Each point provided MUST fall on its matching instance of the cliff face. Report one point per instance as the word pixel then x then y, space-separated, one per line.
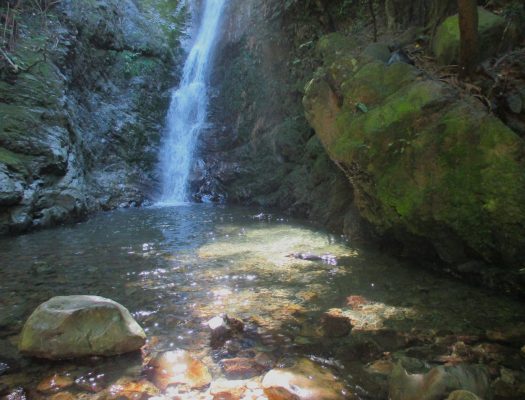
pixel 395 153
pixel 82 104
pixel 259 148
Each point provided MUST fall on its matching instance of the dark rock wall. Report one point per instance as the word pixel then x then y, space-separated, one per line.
pixel 259 148
pixel 81 118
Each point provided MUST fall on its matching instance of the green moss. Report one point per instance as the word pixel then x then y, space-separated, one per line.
pixel 424 161
pixel 135 64
pixel 13 160
pixel 335 45
pixel 381 127
pixel 446 41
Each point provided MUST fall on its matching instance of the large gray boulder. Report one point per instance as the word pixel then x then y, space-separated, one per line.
pixel 79 326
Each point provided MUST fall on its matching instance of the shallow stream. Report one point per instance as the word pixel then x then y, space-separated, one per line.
pixel 174 268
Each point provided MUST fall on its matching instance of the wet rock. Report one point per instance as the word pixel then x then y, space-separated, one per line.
pixel 265 359
pixel 223 328
pixel 304 381
pixel 356 302
pixel 308 295
pixel 3 368
pixel 241 368
pixel 54 383
pixel 306 256
pixel 179 368
pixel 78 326
pixel 334 324
pixel 127 389
pixel 514 334
pixel 63 396
pixel 381 367
pixel 223 389
pixel 16 394
pixel 91 383
pixel 438 382
pixel 11 191
pixel 462 395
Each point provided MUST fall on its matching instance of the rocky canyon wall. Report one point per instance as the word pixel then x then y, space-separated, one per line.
pixel 83 98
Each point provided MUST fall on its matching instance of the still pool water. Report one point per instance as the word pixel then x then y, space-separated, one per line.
pixel 174 268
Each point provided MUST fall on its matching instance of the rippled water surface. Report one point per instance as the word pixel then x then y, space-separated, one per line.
pixel 176 267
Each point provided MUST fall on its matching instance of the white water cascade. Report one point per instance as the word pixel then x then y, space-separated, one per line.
pixel 188 109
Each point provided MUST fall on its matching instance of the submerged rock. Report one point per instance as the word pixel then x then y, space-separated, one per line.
pixel 462 395
pixel 54 383
pixel 304 381
pixel 223 389
pixel 79 326
pixel 127 389
pixel 178 367
pixel 223 328
pixel 438 382
pixel 241 368
pixel 63 396
pixel 334 324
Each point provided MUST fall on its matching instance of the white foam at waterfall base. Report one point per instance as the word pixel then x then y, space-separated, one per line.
pixel 188 109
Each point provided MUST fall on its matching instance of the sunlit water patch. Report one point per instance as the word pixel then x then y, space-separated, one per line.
pixel 175 268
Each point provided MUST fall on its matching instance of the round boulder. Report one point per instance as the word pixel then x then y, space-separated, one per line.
pixel 78 326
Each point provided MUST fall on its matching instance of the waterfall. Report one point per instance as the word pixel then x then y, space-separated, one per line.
pixel 188 108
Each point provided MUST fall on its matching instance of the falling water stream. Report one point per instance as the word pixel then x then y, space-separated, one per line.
pixel 188 108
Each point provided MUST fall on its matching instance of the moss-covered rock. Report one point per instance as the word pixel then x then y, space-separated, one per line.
pixel 491 28
pixel 424 163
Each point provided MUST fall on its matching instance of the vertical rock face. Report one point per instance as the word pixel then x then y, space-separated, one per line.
pixel 81 114
pixel 259 148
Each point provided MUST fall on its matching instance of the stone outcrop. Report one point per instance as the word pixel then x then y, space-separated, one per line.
pixel 79 326
pixel 81 114
pixel 434 171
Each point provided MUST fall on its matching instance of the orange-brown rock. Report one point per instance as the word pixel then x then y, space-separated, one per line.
pixel 241 368
pixel 54 383
pixel 63 396
pixel 223 389
pixel 127 389
pixel 179 368
pixel 304 381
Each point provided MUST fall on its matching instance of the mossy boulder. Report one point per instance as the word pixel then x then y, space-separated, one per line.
pixel 423 162
pixel 79 326
pixel 491 28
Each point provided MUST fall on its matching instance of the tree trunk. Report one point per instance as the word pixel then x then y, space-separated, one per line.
pixel 469 40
